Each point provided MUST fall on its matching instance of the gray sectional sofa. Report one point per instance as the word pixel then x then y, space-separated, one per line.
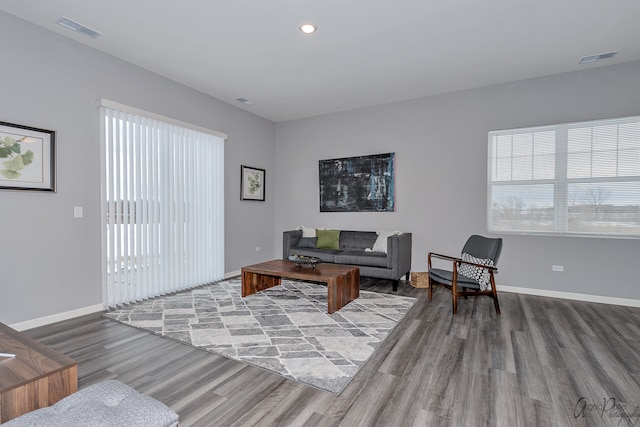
pixel 352 250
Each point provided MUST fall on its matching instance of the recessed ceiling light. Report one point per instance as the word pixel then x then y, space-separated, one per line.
pixel 79 28
pixel 308 28
pixel 244 101
pixel 594 58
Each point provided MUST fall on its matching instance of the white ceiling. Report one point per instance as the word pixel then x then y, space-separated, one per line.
pixel 364 53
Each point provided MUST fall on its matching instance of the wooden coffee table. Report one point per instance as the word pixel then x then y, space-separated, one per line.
pixel 343 281
pixel 36 377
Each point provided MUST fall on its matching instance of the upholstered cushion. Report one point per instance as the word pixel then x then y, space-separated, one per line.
pixel 357 240
pixel 479 274
pixel 106 404
pixel 328 239
pixel 307 242
pixel 371 259
pixel 307 231
pixel 381 242
pixel 446 277
pixel 326 255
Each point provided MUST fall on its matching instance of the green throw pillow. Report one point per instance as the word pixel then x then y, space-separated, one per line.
pixel 328 239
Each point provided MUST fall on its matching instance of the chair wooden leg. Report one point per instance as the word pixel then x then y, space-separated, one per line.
pixel 454 295
pixel 429 288
pixel 496 303
pixel 495 296
pixel 455 303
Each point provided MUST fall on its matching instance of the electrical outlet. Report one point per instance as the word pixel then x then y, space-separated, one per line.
pixel 557 267
pixel 258 248
pixel 77 212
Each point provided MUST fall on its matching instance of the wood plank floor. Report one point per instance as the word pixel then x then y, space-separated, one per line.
pixel 543 362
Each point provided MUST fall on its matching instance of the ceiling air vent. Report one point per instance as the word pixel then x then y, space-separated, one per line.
pixel 594 58
pixel 72 25
pixel 244 101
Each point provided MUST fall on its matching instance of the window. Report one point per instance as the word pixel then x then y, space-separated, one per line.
pixel 574 178
pixel 163 204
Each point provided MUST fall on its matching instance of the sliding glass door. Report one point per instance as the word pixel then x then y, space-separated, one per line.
pixel 163 204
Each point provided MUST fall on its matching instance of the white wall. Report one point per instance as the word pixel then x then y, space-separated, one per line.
pixel 441 149
pixel 49 261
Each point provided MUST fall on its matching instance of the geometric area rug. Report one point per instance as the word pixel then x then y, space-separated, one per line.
pixel 284 329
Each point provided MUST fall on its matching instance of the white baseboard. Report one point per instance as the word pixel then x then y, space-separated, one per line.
pixel 232 274
pixel 41 321
pixel 545 293
pixel 571 296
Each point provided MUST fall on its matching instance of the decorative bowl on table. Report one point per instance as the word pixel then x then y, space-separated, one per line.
pixel 305 261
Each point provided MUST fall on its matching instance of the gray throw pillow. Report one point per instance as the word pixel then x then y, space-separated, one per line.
pixel 307 242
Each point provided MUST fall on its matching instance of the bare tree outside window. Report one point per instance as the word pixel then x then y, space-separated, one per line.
pixel 596 198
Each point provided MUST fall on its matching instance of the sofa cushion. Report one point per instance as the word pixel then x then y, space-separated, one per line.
pixel 370 259
pixel 328 239
pixel 380 244
pixel 307 242
pixel 357 240
pixel 326 255
pixel 307 231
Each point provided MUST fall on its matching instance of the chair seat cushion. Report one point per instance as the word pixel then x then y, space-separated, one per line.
pixel 446 277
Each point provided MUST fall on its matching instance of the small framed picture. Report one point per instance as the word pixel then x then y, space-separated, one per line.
pixel 251 183
pixel 27 158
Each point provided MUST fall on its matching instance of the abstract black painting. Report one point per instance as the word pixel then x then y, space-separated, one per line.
pixel 358 184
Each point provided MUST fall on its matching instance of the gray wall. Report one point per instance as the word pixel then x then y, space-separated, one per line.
pixel 49 261
pixel 441 149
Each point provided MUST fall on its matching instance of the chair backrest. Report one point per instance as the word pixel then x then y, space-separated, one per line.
pixel 483 248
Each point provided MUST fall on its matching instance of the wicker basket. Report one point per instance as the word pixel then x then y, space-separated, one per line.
pixel 420 279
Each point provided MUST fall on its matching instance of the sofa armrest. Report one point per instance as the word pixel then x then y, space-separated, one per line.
pixel 399 253
pixel 290 239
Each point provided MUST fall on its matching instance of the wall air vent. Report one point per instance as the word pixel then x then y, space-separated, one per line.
pixel 79 28
pixel 594 58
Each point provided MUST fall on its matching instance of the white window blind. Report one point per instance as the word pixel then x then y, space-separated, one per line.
pixel 573 178
pixel 163 204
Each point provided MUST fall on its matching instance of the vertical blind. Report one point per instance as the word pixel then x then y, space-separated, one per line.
pixel 163 204
pixel 573 178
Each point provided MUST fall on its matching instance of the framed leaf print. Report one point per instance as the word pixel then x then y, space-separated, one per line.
pixel 27 158
pixel 251 183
